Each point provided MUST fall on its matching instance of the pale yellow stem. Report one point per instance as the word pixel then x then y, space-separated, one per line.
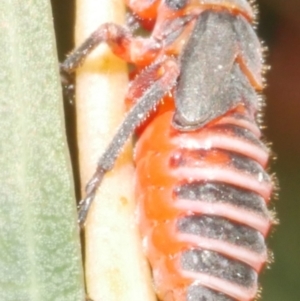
pixel 115 267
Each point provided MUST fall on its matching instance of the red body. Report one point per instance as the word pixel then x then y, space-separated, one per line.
pixel 167 159
pixel 202 186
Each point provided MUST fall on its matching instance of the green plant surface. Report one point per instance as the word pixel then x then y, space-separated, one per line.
pixel 39 239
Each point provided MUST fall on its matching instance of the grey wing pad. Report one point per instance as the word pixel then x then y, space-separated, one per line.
pixel 211 81
pixel 250 48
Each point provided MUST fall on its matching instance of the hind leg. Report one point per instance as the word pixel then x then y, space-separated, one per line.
pixel 155 81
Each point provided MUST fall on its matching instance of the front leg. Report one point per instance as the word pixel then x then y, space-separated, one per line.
pixel 134 50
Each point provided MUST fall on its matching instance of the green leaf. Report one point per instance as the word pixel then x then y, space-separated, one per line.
pixel 39 241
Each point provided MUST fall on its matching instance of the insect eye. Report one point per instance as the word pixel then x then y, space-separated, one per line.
pixel 176 4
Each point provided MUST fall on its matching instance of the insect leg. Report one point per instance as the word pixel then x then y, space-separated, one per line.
pixel 120 41
pixel 162 76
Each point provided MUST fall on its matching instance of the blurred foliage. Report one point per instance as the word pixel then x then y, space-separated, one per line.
pixel 40 255
pixel 280 27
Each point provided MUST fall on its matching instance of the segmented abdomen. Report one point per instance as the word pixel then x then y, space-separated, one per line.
pixel 203 207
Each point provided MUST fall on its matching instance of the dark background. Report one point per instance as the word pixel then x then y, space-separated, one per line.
pixel 279 27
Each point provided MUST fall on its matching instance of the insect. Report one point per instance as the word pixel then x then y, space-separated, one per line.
pixel 202 185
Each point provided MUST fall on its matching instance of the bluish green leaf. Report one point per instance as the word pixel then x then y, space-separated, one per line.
pixel 39 241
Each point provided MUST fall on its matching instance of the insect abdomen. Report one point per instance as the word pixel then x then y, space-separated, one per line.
pixel 202 187
pixel 203 212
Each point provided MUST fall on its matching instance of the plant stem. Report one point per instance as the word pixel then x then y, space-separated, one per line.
pixel 114 263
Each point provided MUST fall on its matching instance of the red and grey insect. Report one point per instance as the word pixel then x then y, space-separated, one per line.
pixel 202 187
